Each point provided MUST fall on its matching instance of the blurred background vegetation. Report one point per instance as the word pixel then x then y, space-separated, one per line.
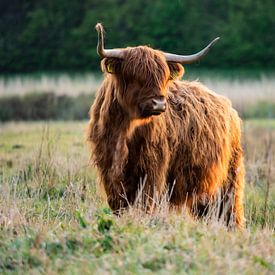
pixel 41 39
pixel 59 34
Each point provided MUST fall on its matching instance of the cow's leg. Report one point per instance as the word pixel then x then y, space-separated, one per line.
pixel 226 205
pixel 143 193
pixel 151 189
pixel 231 207
pixel 178 195
pixel 116 197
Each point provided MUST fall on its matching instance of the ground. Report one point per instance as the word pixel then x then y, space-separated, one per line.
pixel 53 221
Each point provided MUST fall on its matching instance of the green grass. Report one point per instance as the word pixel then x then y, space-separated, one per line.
pixel 267 124
pixel 53 221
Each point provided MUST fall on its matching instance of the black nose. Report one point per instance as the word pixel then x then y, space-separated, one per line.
pixel 159 104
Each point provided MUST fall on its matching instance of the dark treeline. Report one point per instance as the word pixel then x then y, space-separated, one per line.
pixel 60 35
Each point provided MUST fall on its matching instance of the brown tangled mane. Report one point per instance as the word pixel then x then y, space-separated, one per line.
pixel 192 150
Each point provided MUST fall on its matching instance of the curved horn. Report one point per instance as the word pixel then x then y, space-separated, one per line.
pixel 117 53
pixel 187 59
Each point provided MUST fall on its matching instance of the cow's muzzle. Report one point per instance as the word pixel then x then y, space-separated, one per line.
pixel 159 105
pixel 154 106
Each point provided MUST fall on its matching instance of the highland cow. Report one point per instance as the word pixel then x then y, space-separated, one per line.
pixel 178 136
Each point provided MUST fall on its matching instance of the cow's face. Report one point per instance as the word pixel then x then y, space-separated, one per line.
pixel 143 77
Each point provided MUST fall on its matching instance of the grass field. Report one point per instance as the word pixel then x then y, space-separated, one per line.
pixel 53 221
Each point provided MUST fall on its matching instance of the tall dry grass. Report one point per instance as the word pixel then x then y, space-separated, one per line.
pixel 59 83
pixel 53 221
pixel 241 88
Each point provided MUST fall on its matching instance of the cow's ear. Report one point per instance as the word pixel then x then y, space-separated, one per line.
pixel 176 70
pixel 111 65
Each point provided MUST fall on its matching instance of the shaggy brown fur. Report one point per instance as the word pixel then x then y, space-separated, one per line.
pixel 192 150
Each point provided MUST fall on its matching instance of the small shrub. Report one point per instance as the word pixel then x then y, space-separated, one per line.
pixel 45 106
pixel 261 109
pixel 81 219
